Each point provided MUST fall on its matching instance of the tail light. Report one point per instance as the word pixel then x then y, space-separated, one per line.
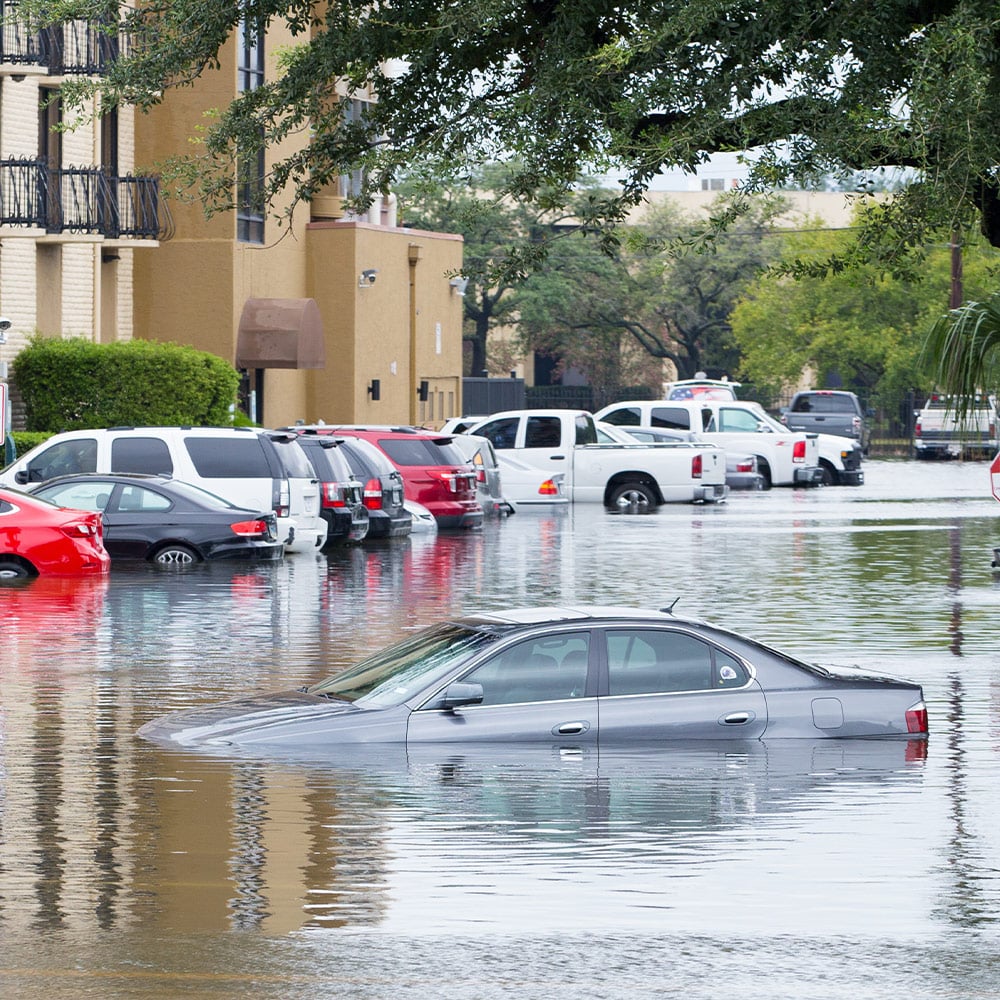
pixel 696 466
pixel 799 451
pixel 82 529
pixel 281 498
pixel 333 495
pixel 548 489
pixel 746 465
pixel 916 718
pixel 856 424
pixel 250 528
pixel 916 429
pixel 372 495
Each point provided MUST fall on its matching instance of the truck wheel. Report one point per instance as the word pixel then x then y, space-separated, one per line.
pixel 765 471
pixel 633 493
pixel 830 477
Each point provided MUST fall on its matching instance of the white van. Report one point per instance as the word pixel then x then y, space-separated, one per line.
pixel 252 468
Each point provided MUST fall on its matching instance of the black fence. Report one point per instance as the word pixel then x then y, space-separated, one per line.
pixel 82 48
pixel 22 193
pixel 481 396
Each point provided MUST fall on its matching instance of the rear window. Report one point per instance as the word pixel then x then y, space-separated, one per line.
pixel 420 451
pixel 147 455
pixel 365 459
pixel 329 464
pixel 228 458
pixel 823 403
pixel 624 416
pixel 292 457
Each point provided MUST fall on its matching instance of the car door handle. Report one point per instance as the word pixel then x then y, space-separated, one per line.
pixel 557 458
pixel 571 728
pixel 737 718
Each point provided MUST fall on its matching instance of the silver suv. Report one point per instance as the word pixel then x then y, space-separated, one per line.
pixel 828 411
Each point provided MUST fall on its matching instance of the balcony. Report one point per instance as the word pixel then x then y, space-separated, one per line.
pixel 79 48
pixel 82 200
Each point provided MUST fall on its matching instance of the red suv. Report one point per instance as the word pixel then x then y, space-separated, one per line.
pixel 434 472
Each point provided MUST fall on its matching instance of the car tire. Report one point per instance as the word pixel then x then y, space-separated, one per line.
pixel 765 472
pixel 641 494
pixel 11 569
pixel 176 557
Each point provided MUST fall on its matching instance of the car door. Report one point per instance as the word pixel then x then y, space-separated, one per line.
pixel 667 684
pixel 540 690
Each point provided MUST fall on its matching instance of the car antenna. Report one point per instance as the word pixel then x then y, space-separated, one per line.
pixel 669 610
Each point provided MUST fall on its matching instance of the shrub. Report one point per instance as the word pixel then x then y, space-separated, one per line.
pixel 75 384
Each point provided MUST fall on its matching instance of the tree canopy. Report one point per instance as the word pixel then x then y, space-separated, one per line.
pixel 812 86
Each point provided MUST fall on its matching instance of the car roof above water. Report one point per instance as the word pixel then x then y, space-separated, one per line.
pixel 545 615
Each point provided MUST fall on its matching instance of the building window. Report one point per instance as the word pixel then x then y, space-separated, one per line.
pixel 250 166
pixel 713 184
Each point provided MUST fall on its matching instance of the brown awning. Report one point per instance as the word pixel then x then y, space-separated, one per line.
pixel 280 333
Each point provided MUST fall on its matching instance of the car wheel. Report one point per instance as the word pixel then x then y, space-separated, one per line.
pixel 176 556
pixel 637 493
pixel 830 477
pixel 10 569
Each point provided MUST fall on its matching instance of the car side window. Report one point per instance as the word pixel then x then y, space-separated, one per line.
pixel 66 458
pixel 79 496
pixel 146 455
pixel 226 458
pixel 137 498
pixel 552 668
pixel 543 432
pixel 647 661
pixel 672 417
pixel 503 432
pixel 737 420
pixel 624 416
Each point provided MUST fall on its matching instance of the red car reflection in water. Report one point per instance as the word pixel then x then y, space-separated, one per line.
pixel 37 538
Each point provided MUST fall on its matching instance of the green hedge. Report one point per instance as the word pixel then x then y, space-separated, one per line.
pixel 75 384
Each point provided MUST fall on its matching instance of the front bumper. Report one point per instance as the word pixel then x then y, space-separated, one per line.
pixel 851 477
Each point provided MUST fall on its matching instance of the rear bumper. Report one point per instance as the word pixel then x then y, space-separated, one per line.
pixel 712 493
pixel 466 519
pixel 745 481
pixel 346 524
pixel 252 551
pixel 808 475
pixel 304 539
pixel 384 525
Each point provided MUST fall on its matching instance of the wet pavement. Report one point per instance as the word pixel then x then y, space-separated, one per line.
pixel 824 869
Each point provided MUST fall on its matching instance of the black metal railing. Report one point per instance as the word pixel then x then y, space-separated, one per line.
pixel 22 193
pixel 80 48
pixel 82 200
pixel 19 46
pixel 75 48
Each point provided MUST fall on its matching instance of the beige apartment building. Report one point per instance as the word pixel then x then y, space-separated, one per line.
pixel 332 317
pixel 74 215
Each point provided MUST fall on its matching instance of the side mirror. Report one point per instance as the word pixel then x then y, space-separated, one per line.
pixel 459 694
pixel 21 478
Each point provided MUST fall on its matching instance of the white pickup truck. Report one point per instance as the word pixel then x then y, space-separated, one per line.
pixel 613 474
pixel 940 432
pixel 784 457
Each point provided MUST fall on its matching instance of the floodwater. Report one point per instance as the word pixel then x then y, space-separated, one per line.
pixel 810 870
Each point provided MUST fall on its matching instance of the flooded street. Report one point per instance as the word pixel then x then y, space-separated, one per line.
pixel 812 869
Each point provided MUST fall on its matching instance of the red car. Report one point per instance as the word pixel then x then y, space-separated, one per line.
pixel 435 473
pixel 38 538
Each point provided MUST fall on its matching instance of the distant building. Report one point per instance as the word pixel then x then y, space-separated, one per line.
pixel 74 215
pixel 337 317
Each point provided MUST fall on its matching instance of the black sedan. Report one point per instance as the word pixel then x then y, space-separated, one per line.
pixel 165 521
pixel 568 676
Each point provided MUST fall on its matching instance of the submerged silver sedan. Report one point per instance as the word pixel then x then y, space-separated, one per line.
pixel 569 676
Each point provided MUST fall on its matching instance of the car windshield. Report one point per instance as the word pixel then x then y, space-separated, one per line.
pixel 391 676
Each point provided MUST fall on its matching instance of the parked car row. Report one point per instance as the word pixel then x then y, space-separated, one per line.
pixel 175 496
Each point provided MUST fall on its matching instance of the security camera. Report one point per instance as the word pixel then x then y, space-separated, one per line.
pixel 367 277
pixel 5 324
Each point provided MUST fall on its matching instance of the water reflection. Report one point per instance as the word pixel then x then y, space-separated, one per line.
pixel 101 834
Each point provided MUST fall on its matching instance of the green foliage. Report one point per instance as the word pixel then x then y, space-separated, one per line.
pixel 812 87
pixel 859 324
pixel 966 344
pixel 73 384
